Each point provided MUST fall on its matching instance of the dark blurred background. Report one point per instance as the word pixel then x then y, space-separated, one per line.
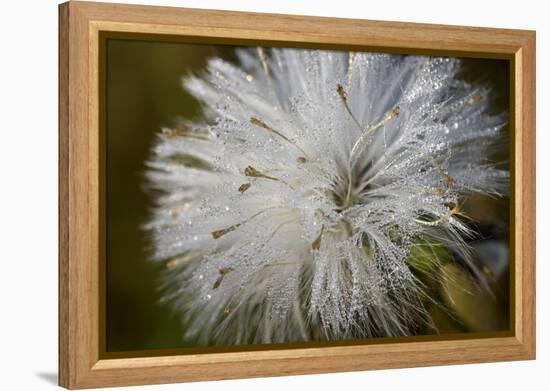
pixel 144 93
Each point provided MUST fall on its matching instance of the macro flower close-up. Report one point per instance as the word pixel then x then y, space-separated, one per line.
pixel 324 195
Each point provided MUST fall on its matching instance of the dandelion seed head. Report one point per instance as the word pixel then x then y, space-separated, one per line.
pixel 307 180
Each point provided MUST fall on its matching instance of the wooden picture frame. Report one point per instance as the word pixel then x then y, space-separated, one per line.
pixel 83 364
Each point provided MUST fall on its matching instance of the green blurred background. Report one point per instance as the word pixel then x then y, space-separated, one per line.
pixel 144 93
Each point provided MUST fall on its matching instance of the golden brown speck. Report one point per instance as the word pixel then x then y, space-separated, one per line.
pixel 223 271
pixel 316 245
pixel 221 232
pixel 244 187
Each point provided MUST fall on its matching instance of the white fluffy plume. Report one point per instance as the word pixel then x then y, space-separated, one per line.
pixel 289 209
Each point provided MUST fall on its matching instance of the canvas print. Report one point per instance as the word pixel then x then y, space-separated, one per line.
pixel 259 195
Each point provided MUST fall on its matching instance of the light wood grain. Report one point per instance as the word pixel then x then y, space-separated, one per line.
pixel 80 365
pixel 64 329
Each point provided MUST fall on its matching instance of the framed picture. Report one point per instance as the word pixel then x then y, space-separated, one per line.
pixel 247 195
